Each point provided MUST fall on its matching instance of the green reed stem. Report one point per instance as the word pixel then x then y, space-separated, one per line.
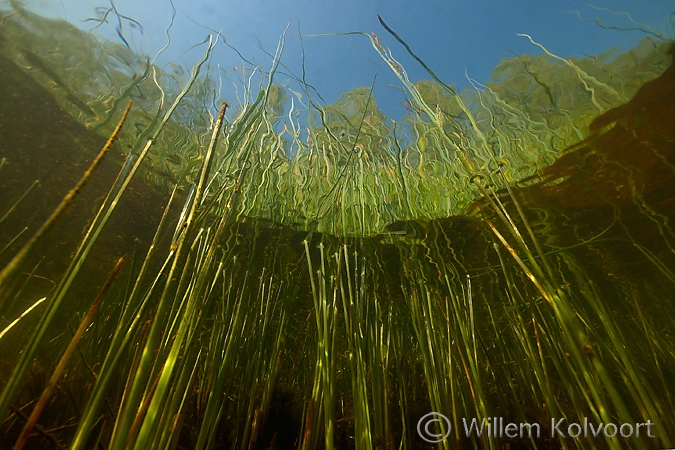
pixel 17 262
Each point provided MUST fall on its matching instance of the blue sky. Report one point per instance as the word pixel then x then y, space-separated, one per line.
pixel 450 36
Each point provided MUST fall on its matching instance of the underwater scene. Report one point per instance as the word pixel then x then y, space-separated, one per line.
pixel 210 240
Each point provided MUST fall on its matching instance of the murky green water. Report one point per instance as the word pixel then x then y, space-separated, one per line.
pixel 325 278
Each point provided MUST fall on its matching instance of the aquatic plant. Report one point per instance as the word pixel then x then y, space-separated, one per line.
pixel 371 271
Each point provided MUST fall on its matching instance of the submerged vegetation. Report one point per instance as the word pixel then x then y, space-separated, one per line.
pixel 321 276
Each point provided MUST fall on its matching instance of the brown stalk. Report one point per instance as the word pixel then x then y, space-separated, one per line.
pixel 20 258
pixel 46 433
pixel 51 384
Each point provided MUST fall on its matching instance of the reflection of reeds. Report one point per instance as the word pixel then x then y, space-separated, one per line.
pixel 395 321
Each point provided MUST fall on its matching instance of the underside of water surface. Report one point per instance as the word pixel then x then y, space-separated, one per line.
pixel 296 274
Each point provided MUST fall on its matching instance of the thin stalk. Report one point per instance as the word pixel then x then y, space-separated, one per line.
pixel 18 261
pixel 14 239
pixel 148 353
pixel 23 314
pixel 122 336
pixel 51 384
pixel 576 339
pixel 26 360
pixel 16 203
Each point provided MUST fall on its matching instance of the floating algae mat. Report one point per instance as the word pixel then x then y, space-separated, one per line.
pixel 184 268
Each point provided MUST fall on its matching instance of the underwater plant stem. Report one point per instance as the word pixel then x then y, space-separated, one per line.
pixel 9 244
pixel 526 222
pixel 122 335
pixel 209 155
pixel 45 433
pixel 324 325
pixel 576 338
pixel 51 384
pixel 128 414
pixel 16 203
pixel 16 264
pixel 12 386
pixel 193 307
pixel 23 314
